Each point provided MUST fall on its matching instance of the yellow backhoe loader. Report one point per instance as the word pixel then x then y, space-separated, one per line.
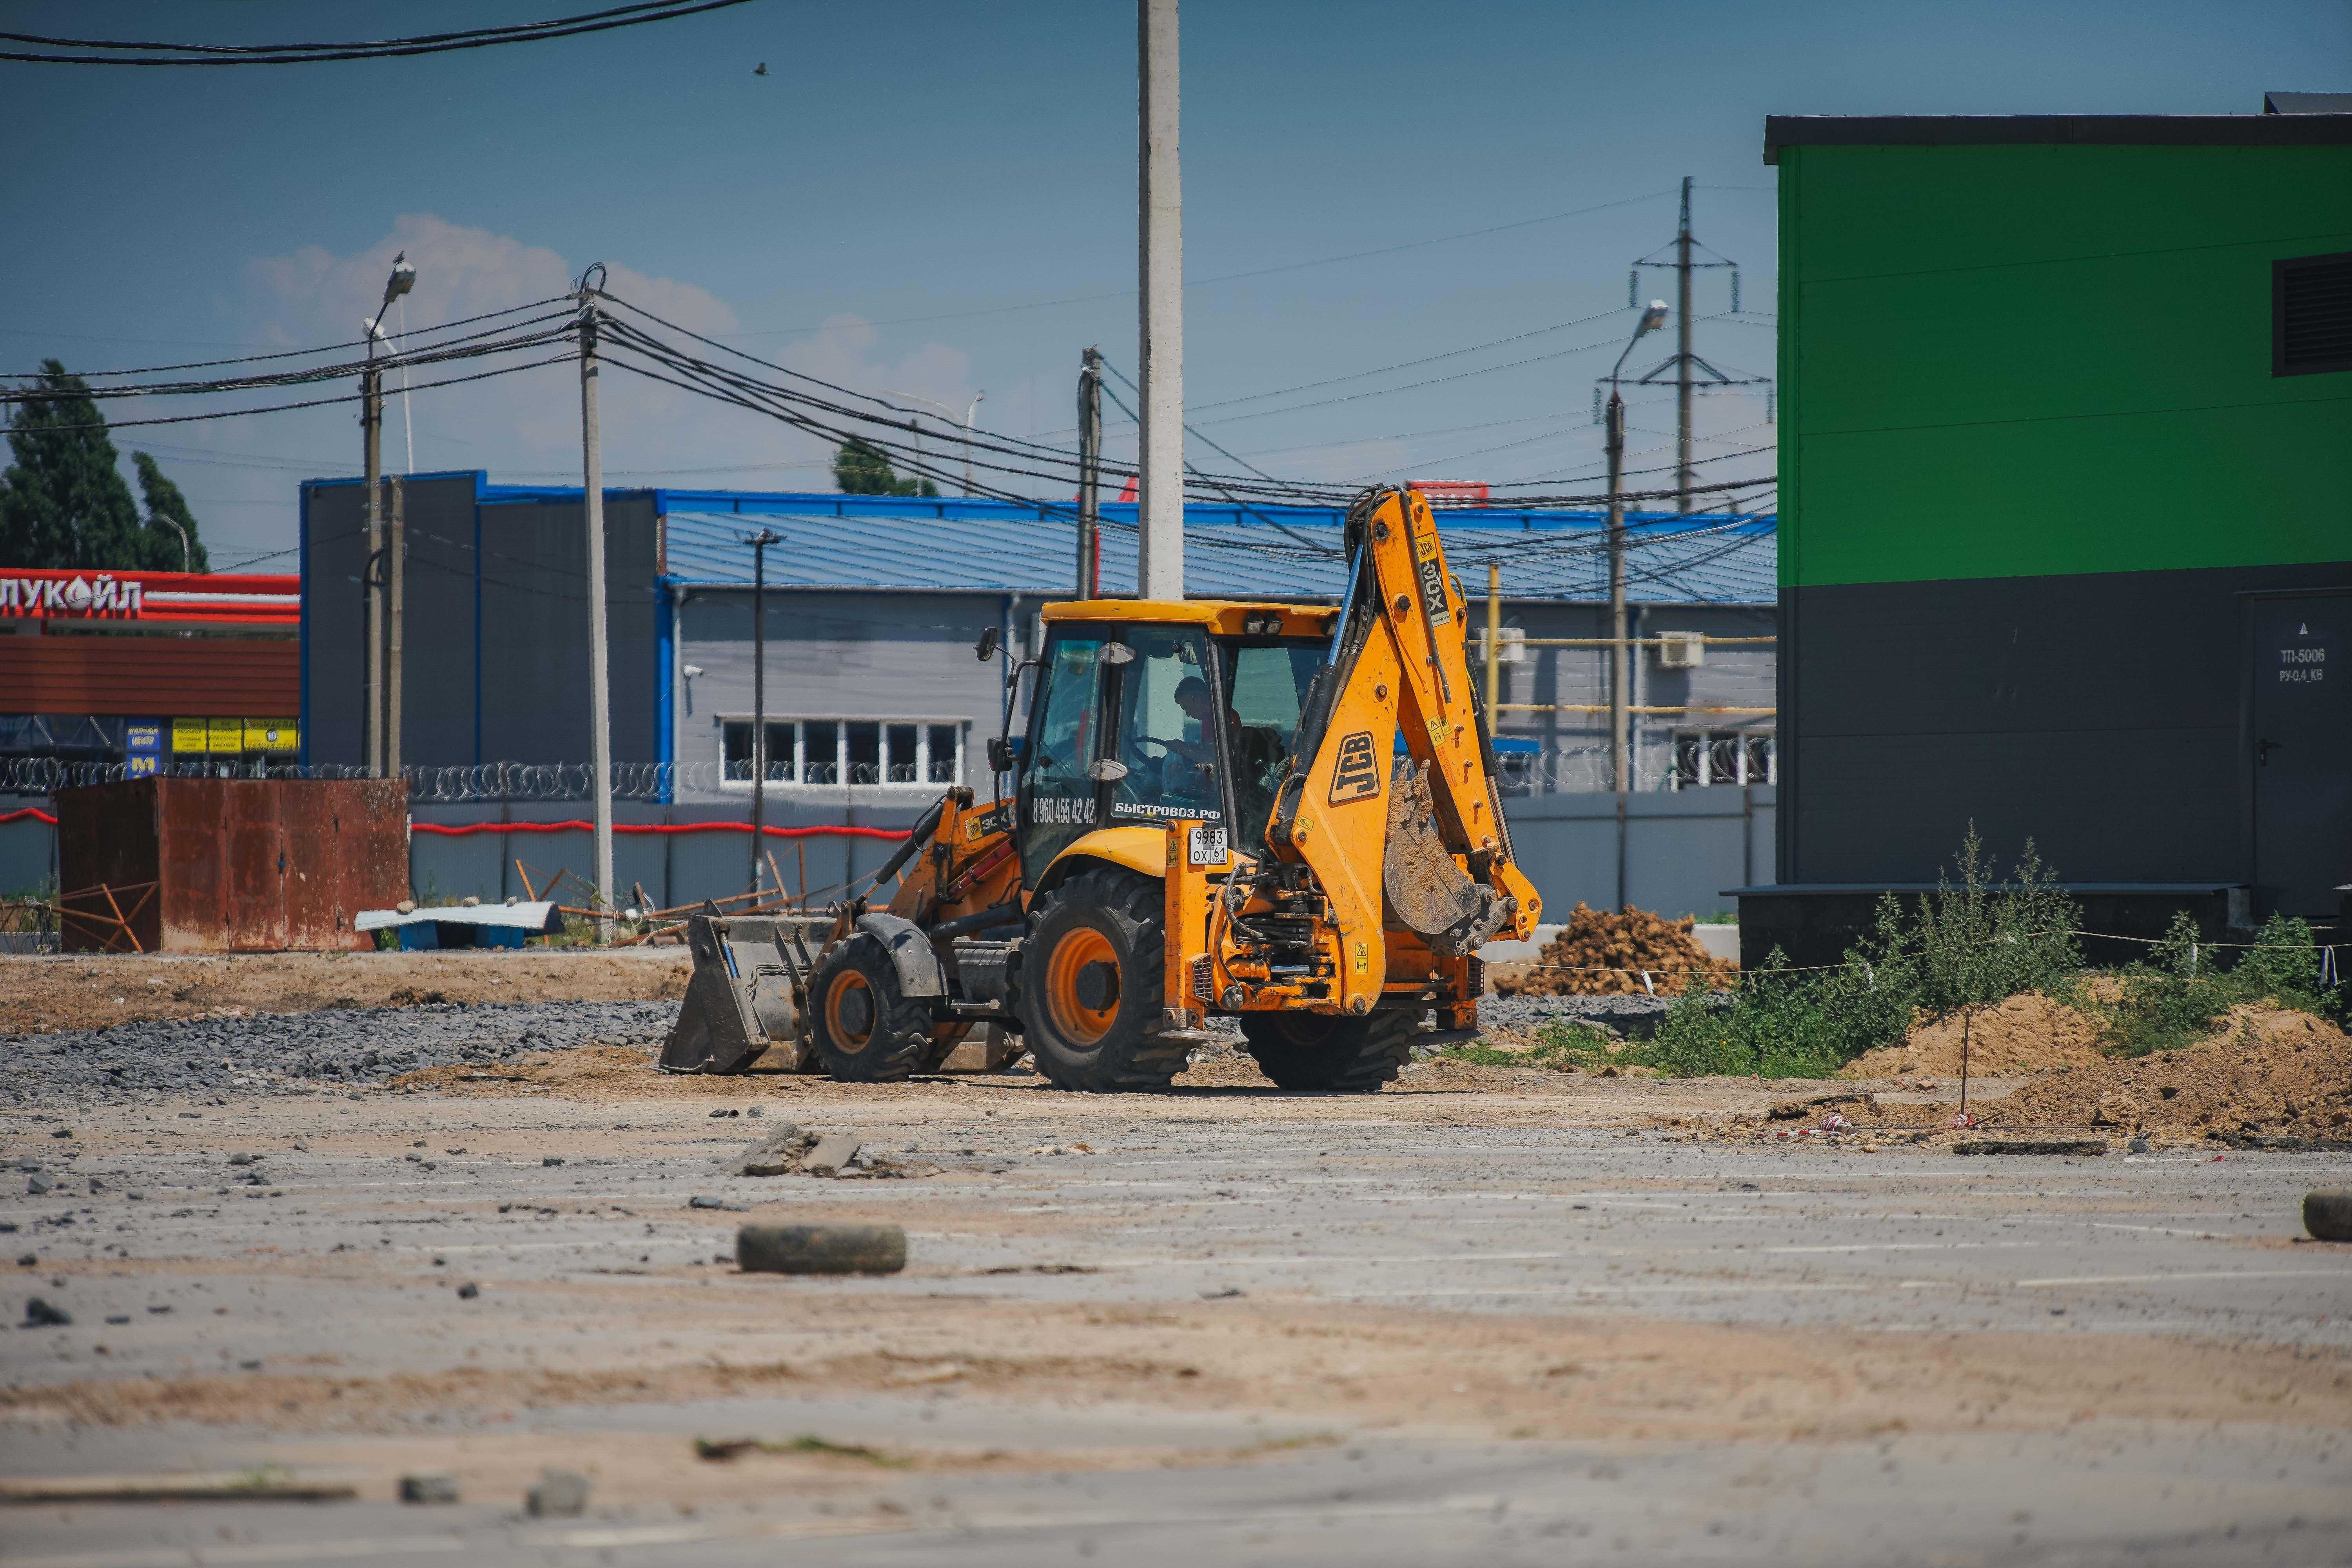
pixel 1280 812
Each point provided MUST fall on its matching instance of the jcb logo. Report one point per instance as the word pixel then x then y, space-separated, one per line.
pixel 1358 776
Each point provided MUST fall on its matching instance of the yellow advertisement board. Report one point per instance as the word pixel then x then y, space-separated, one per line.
pixel 226 735
pixel 271 735
pixel 188 736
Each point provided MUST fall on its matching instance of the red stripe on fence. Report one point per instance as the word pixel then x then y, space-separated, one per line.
pixel 37 814
pixel 467 829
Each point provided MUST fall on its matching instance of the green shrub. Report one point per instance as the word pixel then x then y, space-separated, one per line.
pixel 2179 995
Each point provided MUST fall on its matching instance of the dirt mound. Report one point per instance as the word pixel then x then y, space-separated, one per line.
pixel 2269 1073
pixel 2027 1034
pixel 1605 952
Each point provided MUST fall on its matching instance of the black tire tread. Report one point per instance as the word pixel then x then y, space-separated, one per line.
pixel 901 1043
pixel 1132 1058
pixel 1359 1057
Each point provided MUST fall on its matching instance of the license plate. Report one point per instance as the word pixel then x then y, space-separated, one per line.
pixel 1206 846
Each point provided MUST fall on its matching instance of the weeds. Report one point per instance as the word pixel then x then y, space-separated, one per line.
pixel 2181 993
pixel 1970 944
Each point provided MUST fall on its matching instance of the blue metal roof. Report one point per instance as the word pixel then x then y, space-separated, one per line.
pixel 954 544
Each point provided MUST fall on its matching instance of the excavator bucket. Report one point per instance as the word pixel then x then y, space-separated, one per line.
pixel 740 999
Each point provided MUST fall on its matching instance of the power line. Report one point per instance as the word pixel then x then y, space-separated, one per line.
pixel 290 354
pixel 309 54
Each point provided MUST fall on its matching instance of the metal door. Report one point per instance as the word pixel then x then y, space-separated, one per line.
pixel 2300 730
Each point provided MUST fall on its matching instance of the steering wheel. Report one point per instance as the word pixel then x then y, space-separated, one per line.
pixel 1136 744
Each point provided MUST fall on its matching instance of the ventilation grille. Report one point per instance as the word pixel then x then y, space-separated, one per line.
pixel 2310 311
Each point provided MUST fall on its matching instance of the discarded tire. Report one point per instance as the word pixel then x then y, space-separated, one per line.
pixel 820 1248
pixel 2329 1215
pixel 2031 1146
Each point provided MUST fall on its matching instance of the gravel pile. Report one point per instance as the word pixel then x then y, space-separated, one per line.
pixel 280 1053
pixel 1632 1017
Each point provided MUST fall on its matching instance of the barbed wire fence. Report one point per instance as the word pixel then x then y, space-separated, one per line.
pixel 1565 770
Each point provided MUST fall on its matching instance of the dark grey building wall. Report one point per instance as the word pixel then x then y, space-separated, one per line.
pixel 2098 714
pixel 495 636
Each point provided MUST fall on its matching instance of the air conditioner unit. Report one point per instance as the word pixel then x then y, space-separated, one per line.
pixel 1511 648
pixel 1681 650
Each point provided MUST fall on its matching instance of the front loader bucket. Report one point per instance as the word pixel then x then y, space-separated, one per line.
pixel 740 999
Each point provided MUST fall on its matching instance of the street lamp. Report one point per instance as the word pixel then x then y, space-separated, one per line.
pixel 759 543
pixel 383 565
pixel 972 410
pixel 1620 663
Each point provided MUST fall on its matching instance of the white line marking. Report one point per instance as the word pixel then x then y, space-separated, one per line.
pixel 1904 1246
pixel 2215 1274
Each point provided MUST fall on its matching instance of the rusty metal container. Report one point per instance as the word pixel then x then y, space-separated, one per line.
pixel 200 865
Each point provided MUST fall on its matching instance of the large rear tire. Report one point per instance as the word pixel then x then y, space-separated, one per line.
pixel 1345 1056
pixel 1093 984
pixel 866 1031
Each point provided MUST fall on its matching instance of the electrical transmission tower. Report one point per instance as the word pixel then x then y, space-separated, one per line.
pixel 1685 368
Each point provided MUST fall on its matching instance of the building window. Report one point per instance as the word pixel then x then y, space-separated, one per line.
pixel 832 754
pixel 1704 757
pixel 2311 314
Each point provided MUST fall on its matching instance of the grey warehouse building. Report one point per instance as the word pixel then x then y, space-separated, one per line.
pixel 874 700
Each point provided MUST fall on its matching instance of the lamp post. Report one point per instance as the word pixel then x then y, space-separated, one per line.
pixel 759 543
pixel 1613 440
pixel 972 410
pixel 382 562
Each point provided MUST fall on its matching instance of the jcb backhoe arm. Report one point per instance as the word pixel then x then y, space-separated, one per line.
pixel 1417 841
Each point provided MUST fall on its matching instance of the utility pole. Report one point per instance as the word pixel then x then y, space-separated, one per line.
pixel 759 543
pixel 600 717
pixel 1684 477
pixel 1621 751
pixel 371 443
pixel 1089 474
pixel 1494 641
pixel 394 578
pixel 1689 372
pixel 1160 487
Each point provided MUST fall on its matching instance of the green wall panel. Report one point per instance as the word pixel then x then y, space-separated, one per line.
pixel 2018 360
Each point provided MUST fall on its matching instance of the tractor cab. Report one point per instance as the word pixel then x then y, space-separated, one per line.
pixel 1145 714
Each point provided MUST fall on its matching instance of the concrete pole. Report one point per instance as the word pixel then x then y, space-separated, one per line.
pixel 395 557
pixel 1619 751
pixel 1160 570
pixel 600 701
pixel 1494 643
pixel 759 543
pixel 1683 476
pixel 1089 581
pixel 372 444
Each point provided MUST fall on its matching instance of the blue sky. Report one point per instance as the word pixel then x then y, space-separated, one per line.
pixel 940 199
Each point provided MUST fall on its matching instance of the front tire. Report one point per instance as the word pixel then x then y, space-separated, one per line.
pixel 1093 984
pixel 1314 1050
pixel 863 1029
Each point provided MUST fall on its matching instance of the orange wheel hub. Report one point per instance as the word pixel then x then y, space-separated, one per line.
pixel 1069 988
pixel 850 1007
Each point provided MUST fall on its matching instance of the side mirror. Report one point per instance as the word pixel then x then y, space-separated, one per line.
pixel 1116 653
pixel 1003 752
pixel 985 649
pixel 1106 770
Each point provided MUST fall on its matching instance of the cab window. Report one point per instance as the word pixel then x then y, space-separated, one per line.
pixel 1266 688
pixel 1057 799
pixel 1167 733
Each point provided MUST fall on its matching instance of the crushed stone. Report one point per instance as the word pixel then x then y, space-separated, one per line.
pixel 301 1053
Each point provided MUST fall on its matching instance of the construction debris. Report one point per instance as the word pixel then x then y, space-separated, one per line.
pixel 779 1153
pixel 1604 953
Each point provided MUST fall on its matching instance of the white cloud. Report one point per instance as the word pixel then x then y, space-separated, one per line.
pixel 526 426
